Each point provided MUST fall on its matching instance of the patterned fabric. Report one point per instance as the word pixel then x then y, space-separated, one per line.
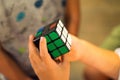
pixel 20 18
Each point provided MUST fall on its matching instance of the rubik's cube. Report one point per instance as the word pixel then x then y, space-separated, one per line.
pixel 57 37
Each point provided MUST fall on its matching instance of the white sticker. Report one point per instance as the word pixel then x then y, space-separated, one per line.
pixel 61 24
pixel 69 39
pixel 68 46
pixel 63 38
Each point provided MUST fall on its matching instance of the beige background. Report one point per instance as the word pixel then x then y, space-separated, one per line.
pixel 98 18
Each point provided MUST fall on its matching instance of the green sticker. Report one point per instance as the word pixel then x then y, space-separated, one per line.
pixel 48 39
pixel 53 35
pixel 55 53
pixel 63 50
pixel 58 42
pixel 51 46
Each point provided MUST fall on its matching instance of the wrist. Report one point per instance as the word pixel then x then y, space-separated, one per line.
pixel 82 49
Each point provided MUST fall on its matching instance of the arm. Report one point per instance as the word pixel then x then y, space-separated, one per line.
pixel 105 61
pixel 10 70
pixel 72 16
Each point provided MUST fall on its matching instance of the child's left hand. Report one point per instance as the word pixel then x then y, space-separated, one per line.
pixel 44 66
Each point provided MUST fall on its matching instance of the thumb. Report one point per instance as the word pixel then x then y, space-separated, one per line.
pixel 44 51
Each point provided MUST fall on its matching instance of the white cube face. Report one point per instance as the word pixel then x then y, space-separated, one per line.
pixel 65 35
pixel 63 38
pixel 65 32
pixel 68 46
pixel 61 24
pixel 69 39
pixel 59 27
pixel 59 32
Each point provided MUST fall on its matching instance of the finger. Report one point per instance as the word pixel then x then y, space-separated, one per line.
pixel 44 51
pixel 35 63
pixel 33 51
pixel 32 48
pixel 65 61
pixel 35 57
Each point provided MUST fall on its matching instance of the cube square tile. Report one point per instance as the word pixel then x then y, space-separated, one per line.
pixel 53 35
pixel 55 53
pixel 51 46
pixel 59 42
pixel 64 49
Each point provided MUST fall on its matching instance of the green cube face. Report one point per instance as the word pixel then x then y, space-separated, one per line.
pixel 55 53
pixel 47 39
pixel 63 49
pixel 51 47
pixel 59 42
pixel 53 35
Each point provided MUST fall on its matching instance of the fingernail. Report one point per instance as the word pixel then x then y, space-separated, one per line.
pixel 41 39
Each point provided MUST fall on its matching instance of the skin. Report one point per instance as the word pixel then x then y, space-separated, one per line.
pixel 90 73
pixel 44 66
pixel 107 62
pixel 9 68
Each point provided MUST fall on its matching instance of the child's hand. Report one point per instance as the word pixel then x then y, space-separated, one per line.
pixel 44 66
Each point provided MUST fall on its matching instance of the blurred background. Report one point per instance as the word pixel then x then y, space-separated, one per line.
pixel 98 18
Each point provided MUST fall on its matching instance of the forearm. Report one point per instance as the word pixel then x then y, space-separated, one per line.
pixel 10 69
pixel 105 61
